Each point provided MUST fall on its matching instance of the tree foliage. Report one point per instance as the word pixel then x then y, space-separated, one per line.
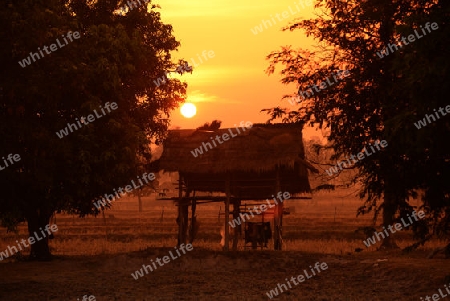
pixel 213 126
pixel 380 100
pixel 115 60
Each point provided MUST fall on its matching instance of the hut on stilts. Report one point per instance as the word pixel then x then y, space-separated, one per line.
pixel 254 164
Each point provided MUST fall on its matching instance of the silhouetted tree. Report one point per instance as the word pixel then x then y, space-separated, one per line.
pixel 378 101
pixel 116 60
pixel 213 126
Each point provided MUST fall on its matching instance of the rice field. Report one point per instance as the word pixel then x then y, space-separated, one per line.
pixel 96 256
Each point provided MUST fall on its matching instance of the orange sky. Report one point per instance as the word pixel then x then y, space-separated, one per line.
pixel 232 86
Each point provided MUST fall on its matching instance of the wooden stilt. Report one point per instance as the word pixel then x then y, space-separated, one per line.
pixel 193 226
pixel 237 229
pixel 227 214
pixel 254 232
pixel 280 227
pixel 180 212
pixel 277 241
pixel 185 220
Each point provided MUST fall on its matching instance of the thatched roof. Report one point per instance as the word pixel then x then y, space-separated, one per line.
pixel 258 149
pixel 253 155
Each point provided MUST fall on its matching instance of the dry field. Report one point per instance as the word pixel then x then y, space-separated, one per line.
pixel 96 256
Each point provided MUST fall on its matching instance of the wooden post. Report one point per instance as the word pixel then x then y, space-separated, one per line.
pixel 263 234
pixel 278 217
pixel 254 232
pixel 185 215
pixel 281 208
pixel 227 213
pixel 193 230
pixel 237 229
pixel 180 197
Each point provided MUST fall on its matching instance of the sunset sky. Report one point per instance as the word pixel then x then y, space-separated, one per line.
pixel 233 86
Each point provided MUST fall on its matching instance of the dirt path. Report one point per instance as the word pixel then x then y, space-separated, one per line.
pixel 207 275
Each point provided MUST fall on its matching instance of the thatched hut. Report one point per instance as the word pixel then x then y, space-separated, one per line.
pixel 254 164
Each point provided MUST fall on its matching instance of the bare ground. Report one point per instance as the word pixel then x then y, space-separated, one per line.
pixel 209 275
pixel 96 256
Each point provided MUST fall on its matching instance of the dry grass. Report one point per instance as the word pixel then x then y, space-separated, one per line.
pixel 96 256
pixel 326 224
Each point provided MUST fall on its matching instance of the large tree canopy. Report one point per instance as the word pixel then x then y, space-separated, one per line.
pixel 381 99
pixel 115 60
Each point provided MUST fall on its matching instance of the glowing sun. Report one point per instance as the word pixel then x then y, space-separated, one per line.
pixel 188 110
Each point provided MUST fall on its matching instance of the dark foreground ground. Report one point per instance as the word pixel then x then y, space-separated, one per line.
pixel 211 275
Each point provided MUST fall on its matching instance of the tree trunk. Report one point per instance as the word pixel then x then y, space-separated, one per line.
pixel 389 209
pixel 391 185
pixel 37 220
